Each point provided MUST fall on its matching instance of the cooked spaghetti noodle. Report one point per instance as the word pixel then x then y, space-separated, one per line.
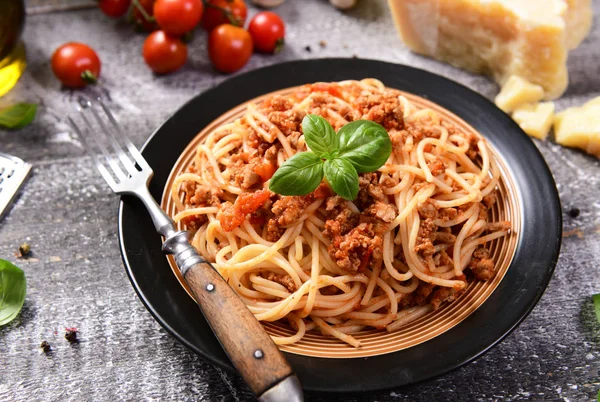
pixel 413 238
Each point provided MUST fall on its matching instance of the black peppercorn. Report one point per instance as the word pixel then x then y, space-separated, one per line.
pixel 71 335
pixel 45 347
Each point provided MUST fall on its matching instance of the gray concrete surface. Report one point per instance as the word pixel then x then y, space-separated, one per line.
pixel 76 277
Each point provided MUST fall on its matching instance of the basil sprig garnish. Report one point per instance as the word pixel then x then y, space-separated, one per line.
pixel 358 147
pixel 319 135
pixel 365 144
pixel 299 175
pixel 342 177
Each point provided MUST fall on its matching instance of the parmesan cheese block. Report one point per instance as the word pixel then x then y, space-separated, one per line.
pixel 580 127
pixel 578 21
pixel 535 119
pixel 527 38
pixel 517 92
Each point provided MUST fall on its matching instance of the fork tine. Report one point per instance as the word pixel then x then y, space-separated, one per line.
pixel 137 156
pixel 127 163
pixel 86 104
pixel 107 176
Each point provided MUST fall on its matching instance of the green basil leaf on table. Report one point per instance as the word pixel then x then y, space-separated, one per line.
pixel 12 291
pixel 299 175
pixel 365 144
pixel 596 300
pixel 319 135
pixel 342 178
pixel 18 115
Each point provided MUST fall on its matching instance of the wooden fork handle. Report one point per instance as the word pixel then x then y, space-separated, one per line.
pixel 245 341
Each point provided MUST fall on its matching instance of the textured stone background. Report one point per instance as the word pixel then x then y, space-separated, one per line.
pixel 76 277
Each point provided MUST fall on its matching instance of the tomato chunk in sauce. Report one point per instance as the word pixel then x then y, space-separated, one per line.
pixel 246 203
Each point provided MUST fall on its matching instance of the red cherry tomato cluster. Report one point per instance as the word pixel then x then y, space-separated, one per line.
pixel 230 46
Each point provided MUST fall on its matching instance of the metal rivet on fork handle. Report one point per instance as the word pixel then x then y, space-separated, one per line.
pixel 210 287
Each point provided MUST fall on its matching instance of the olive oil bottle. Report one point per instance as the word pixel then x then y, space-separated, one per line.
pixel 12 51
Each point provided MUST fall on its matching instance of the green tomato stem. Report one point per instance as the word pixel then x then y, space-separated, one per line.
pixel 143 11
pixel 232 20
pixel 89 77
pixel 187 37
pixel 279 45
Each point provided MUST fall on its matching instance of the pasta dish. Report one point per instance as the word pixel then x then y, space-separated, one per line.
pixel 413 238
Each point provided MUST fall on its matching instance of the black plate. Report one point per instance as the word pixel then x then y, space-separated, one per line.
pixel 527 277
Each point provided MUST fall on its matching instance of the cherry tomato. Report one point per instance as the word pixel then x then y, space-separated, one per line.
pixel 163 53
pixel 229 47
pixel 177 17
pixel 267 32
pixel 114 8
pixel 138 18
pixel 76 65
pixel 219 12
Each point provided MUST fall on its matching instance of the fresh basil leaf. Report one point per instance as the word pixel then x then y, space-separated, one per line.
pixel 299 175
pixel 318 134
pixel 596 299
pixel 12 291
pixel 365 144
pixel 342 178
pixel 18 115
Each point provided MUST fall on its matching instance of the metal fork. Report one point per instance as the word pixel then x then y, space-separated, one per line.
pixel 243 338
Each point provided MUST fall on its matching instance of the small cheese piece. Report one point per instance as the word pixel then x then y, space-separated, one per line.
pixel 580 127
pixel 517 92
pixel 593 102
pixel 528 38
pixel 535 119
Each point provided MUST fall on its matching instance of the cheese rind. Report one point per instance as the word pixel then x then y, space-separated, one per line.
pixel 535 119
pixel 580 127
pixel 497 37
pixel 517 92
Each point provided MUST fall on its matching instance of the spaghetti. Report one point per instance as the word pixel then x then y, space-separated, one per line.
pixel 412 240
